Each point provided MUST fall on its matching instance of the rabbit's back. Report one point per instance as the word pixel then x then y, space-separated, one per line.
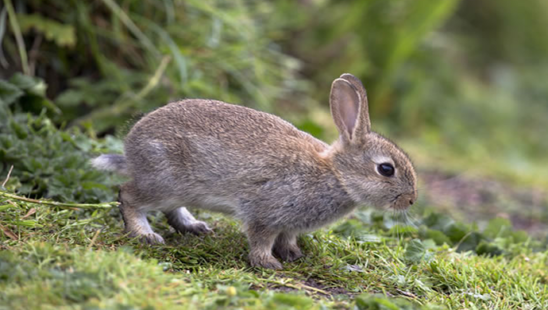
pixel 204 126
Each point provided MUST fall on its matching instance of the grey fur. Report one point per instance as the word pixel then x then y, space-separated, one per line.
pixel 277 180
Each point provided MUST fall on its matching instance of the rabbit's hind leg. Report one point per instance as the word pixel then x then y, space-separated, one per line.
pixel 183 221
pixel 135 220
pixel 286 247
pixel 261 241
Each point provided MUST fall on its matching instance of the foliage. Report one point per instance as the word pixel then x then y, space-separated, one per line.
pixel 436 229
pixel 23 93
pixel 372 39
pixel 62 35
pixel 103 60
pixel 47 161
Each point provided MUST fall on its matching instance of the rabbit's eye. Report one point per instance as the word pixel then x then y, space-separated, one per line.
pixel 386 169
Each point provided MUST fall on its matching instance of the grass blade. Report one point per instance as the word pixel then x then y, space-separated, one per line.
pixel 18 37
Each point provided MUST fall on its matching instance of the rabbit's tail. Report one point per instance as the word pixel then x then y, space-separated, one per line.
pixel 111 162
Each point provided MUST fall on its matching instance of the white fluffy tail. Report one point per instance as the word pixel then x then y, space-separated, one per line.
pixel 111 162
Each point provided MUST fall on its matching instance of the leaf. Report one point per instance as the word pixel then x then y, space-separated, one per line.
pixel 353 228
pixel 9 93
pixel 27 223
pixel 470 242
pixel 488 249
pixel 61 34
pixel 403 230
pixel 8 232
pixel 350 228
pixel 498 227
pixel 437 236
pixel 456 231
pixel 31 84
pixel 438 221
pixel 416 251
pixel 70 98
pixel 92 185
pixel 519 236
pixel 29 213
pixel 381 302
pixel 5 207
pixel 18 129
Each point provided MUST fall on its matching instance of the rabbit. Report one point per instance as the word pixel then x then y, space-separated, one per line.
pixel 277 180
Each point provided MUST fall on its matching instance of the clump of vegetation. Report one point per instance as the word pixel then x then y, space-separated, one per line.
pixel 436 229
pixel 104 61
pixel 47 161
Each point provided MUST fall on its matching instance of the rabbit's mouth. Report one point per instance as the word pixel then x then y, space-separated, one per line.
pixel 402 201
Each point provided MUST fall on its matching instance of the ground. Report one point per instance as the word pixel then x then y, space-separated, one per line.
pixel 77 258
pixel 481 199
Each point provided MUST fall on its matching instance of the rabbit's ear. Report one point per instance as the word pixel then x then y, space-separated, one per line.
pixel 364 123
pixel 349 111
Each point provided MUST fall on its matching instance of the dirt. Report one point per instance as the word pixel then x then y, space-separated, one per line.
pixel 310 286
pixel 333 291
pixel 479 200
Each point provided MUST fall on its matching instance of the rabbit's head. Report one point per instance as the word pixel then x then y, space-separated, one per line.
pixel 373 170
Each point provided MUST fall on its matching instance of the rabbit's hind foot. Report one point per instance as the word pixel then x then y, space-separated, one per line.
pixel 261 241
pixel 136 223
pixel 286 247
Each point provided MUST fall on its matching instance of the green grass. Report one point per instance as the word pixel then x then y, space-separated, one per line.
pixel 62 258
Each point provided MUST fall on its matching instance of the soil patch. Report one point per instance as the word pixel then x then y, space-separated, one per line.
pixel 479 200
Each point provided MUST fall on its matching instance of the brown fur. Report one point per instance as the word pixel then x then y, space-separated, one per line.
pixel 277 180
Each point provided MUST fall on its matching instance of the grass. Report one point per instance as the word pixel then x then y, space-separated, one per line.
pixel 56 258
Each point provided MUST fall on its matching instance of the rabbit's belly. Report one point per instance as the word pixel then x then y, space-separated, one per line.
pixel 164 205
pixel 216 204
pixel 212 203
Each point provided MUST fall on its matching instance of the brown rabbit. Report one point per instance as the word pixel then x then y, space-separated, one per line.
pixel 277 180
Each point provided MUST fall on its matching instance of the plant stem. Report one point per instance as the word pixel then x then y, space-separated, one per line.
pixel 8 177
pixel 18 36
pixel 105 205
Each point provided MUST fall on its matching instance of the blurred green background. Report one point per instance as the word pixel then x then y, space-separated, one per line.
pixel 461 85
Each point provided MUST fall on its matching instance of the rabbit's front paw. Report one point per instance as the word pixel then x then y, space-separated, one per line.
pixel 264 261
pixel 152 238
